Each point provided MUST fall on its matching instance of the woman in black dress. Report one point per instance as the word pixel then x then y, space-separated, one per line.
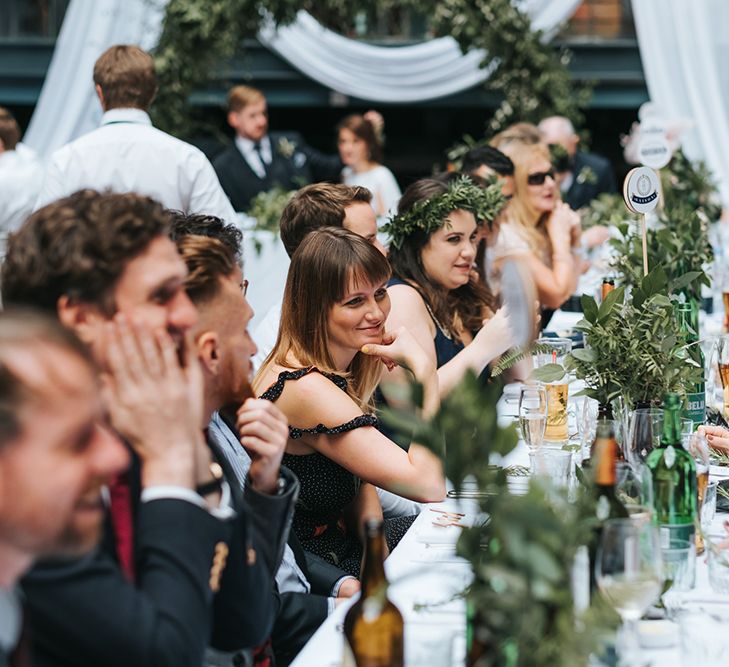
pixel 328 359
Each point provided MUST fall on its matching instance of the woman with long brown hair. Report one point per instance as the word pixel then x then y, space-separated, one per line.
pixel 322 372
pixel 435 290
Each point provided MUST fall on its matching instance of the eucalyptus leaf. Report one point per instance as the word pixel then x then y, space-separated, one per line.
pixel 549 373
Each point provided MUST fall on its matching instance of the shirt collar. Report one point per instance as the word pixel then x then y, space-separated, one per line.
pixel 246 145
pixel 126 116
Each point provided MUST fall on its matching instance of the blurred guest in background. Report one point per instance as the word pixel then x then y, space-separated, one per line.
pixel 360 149
pixel 538 227
pixel 259 160
pixel 127 154
pixel 582 176
pixel 21 175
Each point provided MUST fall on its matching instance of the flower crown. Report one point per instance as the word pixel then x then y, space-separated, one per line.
pixel 430 214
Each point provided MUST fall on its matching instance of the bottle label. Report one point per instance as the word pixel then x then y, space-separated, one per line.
pixel 673 533
pixel 602 510
pixel 669 456
pixel 696 407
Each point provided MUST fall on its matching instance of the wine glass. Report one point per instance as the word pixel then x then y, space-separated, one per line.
pixel 629 574
pixel 722 360
pixel 587 425
pixel 644 434
pixel 697 445
pixel 533 414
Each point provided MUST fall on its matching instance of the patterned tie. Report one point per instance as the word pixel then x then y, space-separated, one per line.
pixel 121 518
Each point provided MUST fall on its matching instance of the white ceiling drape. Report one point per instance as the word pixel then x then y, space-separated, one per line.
pixel 67 107
pixel 684 47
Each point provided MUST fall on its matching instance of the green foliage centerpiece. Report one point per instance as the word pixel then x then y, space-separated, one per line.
pixel 523 612
pixel 634 347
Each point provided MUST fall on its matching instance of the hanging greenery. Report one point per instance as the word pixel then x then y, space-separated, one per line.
pixel 198 36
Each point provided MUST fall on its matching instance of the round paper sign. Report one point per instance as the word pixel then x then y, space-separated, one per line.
pixel 640 190
pixel 654 151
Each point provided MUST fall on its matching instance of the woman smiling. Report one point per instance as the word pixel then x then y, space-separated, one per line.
pixel 322 373
pixel 435 292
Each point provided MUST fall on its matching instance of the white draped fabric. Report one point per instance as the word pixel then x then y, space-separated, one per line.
pixel 68 108
pixel 684 47
pixel 398 74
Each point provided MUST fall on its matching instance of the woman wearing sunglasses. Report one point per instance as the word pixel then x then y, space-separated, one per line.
pixel 538 227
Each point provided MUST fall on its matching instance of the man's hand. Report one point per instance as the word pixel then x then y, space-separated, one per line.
pixel 348 588
pixel 263 431
pixel 153 402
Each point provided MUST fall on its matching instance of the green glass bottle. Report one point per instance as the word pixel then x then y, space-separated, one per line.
pixel 673 473
pixel 695 408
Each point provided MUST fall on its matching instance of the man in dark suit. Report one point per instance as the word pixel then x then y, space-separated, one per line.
pixel 258 160
pixel 307 587
pixel 582 176
pixel 179 565
pixel 55 454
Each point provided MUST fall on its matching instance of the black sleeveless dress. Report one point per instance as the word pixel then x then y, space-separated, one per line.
pixel 327 489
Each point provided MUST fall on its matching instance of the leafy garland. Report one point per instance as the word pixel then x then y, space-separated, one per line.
pixel 430 214
pixel 200 35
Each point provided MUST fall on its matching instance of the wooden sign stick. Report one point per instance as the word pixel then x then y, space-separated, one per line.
pixel 644 225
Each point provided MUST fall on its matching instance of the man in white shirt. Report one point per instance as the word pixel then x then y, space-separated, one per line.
pixel 127 154
pixel 21 175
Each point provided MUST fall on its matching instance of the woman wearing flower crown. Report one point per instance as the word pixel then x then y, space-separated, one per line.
pixel 435 292
pixel 322 373
pixel 359 139
pixel 537 226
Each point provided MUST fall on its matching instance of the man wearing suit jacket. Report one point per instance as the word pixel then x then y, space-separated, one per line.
pixel 307 587
pixel 55 454
pixel 180 565
pixel 584 175
pixel 258 160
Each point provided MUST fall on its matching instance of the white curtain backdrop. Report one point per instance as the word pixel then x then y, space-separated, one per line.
pixel 684 47
pixel 68 108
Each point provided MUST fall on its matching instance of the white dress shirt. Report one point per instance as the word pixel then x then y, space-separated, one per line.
pixel 21 175
pixel 128 154
pixel 247 149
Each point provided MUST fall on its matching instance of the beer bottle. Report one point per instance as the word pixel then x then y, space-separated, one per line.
pixel 373 627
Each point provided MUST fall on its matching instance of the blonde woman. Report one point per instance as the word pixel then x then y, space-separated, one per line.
pixel 328 359
pixel 537 226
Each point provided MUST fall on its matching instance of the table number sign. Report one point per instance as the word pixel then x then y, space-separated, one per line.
pixel 640 192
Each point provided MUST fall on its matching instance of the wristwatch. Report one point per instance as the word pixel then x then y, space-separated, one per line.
pixel 214 485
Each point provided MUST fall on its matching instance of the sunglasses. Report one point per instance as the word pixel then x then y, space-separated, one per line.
pixel 538 178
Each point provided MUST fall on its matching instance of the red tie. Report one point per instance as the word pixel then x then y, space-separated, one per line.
pixel 263 655
pixel 121 519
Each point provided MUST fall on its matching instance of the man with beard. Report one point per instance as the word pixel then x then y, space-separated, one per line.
pixel 105 265
pixel 55 453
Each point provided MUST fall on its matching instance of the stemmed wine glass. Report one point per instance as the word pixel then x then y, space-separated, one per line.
pixel 533 414
pixel 629 574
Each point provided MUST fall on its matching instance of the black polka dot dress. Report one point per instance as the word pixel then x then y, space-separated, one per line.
pixel 327 489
